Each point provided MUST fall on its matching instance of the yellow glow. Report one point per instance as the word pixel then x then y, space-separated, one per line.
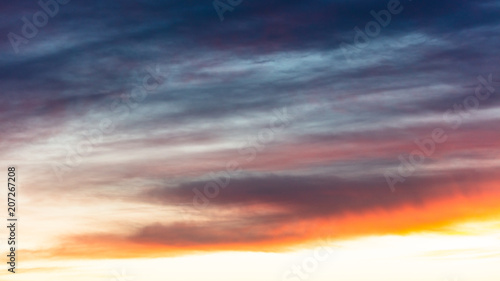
pixel 473 254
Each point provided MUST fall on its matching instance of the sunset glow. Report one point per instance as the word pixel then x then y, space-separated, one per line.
pixel 250 140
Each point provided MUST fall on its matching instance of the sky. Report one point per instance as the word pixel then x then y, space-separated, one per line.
pixel 252 140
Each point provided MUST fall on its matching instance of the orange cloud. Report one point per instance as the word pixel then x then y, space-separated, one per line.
pixel 185 238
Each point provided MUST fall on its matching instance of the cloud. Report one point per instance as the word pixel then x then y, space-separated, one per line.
pixel 223 81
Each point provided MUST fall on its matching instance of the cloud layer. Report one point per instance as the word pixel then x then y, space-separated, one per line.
pixel 268 92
